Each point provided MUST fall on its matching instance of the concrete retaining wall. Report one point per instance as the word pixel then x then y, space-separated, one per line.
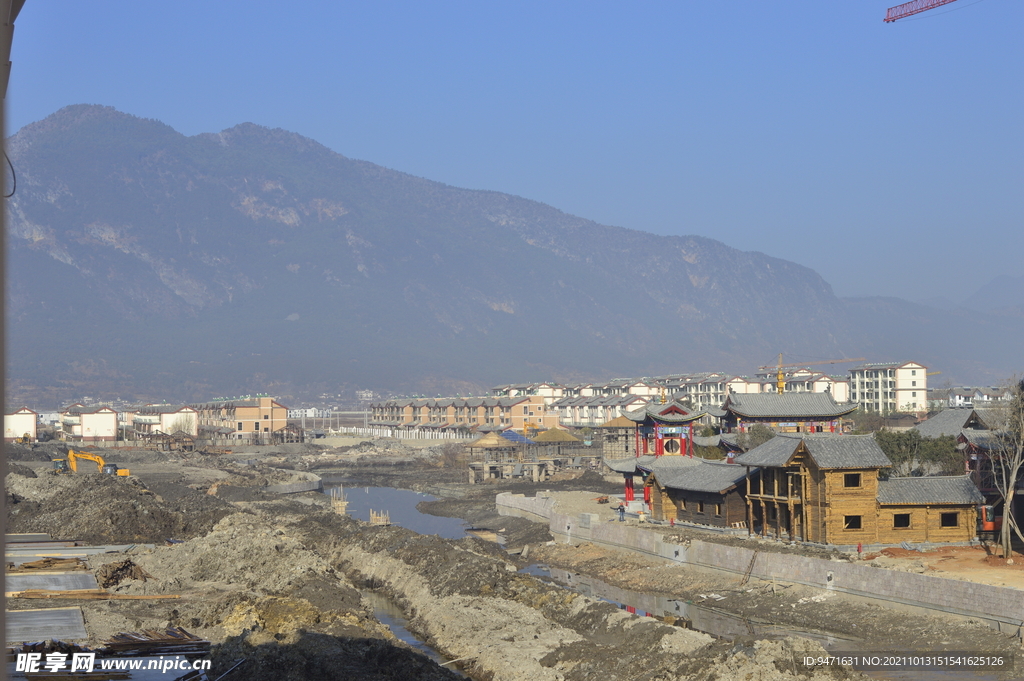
pixel 1002 606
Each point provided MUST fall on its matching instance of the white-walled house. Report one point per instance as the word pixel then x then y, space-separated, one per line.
pixel 19 424
pixel 89 424
pixel 163 418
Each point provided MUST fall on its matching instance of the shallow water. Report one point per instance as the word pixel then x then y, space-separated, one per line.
pixel 388 613
pixel 401 506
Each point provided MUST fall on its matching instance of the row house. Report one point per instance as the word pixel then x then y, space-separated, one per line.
pixel 885 387
pixel 89 424
pixel 471 413
pixel 155 419
pixel 21 424
pixel 581 412
pixel 250 418
pixel 549 391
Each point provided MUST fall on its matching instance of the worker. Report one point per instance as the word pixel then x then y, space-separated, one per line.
pixel 642 516
pixel 622 511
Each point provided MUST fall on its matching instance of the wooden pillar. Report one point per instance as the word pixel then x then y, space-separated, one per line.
pixel 778 520
pixel 750 517
pixel 764 519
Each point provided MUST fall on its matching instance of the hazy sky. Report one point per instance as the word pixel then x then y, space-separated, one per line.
pixel 888 157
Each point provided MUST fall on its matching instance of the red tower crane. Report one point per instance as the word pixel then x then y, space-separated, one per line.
pixel 914 7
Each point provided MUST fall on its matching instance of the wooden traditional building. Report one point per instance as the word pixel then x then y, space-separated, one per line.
pixel 709 493
pixel 786 413
pixel 827 489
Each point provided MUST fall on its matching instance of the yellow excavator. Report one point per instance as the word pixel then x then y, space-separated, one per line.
pixel 70 464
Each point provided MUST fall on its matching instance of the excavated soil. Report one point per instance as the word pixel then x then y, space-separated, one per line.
pixel 276 580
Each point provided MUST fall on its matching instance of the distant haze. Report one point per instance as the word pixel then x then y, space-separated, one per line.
pixel 146 263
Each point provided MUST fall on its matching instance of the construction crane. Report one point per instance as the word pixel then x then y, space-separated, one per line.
pixel 780 379
pixel 910 8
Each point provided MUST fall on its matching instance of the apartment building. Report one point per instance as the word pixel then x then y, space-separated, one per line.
pixel 250 418
pixel 885 387
pixel 88 424
pixel 161 418
pixel 465 413
pixel 19 424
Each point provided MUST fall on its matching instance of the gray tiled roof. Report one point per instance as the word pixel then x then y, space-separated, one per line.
pixel 775 452
pixel 670 462
pixel 982 439
pixel 652 410
pixel 786 406
pixel 705 477
pixel 161 409
pixel 946 422
pixel 929 490
pixel 828 451
pixel 628 465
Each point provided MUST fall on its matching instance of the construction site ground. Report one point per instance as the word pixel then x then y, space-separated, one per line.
pixel 276 579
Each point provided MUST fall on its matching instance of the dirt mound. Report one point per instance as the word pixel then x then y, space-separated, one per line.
pixel 104 509
pixel 18 469
pixel 34 452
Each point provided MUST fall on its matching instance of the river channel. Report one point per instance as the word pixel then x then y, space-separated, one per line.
pixel 400 504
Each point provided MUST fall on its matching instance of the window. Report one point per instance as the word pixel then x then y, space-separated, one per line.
pixel 239 425
pixel 700 507
pixel 256 427
pixel 526 410
pixel 682 504
pixel 913 372
pixel 851 522
pixel 718 510
pixel 851 480
pixel 900 520
pixel 672 446
pixel 913 394
pixel 949 520
pixel 266 430
pixel 913 383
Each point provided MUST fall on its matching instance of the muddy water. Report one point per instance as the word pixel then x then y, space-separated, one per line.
pixel 718 622
pixel 388 613
pixel 400 504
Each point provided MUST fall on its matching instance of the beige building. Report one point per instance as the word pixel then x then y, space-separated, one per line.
pixel 163 418
pixel 19 424
pixel 522 413
pixel 89 424
pixel 885 387
pixel 253 418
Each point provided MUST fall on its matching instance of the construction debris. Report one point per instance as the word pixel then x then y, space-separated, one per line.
pixel 112 574
pixel 173 641
pixel 49 565
pixel 86 594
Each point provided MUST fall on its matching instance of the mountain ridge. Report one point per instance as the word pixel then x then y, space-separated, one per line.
pixel 336 271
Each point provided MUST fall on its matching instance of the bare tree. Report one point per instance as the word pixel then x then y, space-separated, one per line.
pixel 1007 460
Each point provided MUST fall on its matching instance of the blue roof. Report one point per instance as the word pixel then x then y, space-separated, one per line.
pixel 516 437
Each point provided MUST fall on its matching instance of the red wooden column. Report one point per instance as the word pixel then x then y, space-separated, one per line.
pixel 628 492
pixel 647 493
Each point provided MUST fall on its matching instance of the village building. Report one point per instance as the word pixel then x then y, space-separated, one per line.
pixel 951 422
pixel 253 419
pixel 827 489
pixel 617 438
pixel 786 413
pixel 525 414
pixel 162 419
pixel 885 387
pixel 709 493
pixel 21 425
pixel 591 412
pixel 88 424
pixel 664 428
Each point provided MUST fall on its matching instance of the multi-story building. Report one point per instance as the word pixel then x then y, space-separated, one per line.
pixel 19 424
pixel 465 413
pixel 580 412
pixel 250 418
pixel 161 419
pixel 885 387
pixel 88 424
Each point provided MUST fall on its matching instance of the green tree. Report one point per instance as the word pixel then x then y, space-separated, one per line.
pixel 903 448
pixel 1007 460
pixel 755 437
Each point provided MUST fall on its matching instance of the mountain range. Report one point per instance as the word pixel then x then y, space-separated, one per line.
pixel 145 264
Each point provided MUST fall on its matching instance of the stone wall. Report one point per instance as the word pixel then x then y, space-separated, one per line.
pixel 1002 606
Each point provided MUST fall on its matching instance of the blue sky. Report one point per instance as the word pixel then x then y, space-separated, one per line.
pixel 888 157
